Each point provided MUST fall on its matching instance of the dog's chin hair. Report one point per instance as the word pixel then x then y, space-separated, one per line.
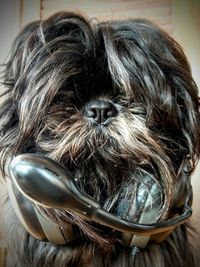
pixel 124 139
pixel 105 161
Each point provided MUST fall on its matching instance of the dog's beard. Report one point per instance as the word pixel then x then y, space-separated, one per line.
pixel 109 162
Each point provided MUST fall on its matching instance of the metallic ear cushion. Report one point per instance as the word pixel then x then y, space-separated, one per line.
pixel 33 221
pixel 25 212
pixel 142 202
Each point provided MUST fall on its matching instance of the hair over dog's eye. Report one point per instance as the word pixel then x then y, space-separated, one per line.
pixel 138 110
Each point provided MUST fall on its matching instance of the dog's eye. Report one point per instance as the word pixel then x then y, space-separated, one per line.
pixel 63 97
pixel 134 108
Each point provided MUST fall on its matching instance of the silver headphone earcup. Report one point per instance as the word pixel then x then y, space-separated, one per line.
pixel 141 203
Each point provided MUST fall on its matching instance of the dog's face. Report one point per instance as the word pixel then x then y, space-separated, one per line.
pixel 113 102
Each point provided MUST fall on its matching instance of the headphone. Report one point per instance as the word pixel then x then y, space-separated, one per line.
pixel 39 181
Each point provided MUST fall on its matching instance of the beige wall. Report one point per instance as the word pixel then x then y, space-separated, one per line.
pixel 9 25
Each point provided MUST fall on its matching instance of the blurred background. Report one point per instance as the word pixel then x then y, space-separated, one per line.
pixel 180 18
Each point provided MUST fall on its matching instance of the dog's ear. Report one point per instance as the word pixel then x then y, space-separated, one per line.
pixel 39 40
pixel 173 91
pixel 12 87
pixel 152 68
pixel 23 45
pixel 175 94
pixel 42 57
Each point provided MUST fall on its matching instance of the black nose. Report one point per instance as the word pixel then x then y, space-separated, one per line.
pixel 100 111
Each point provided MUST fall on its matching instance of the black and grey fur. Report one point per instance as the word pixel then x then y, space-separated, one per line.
pixel 56 66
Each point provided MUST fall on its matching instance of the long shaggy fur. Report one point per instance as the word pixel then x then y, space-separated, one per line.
pixel 58 65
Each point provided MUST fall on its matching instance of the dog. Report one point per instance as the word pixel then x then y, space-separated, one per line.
pixel 115 104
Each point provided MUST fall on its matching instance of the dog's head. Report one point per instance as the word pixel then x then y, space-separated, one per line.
pixel 113 102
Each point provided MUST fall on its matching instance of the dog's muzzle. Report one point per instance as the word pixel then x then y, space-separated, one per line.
pixel 39 181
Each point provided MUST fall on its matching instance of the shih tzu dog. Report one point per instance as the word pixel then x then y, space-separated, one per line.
pixel 102 123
